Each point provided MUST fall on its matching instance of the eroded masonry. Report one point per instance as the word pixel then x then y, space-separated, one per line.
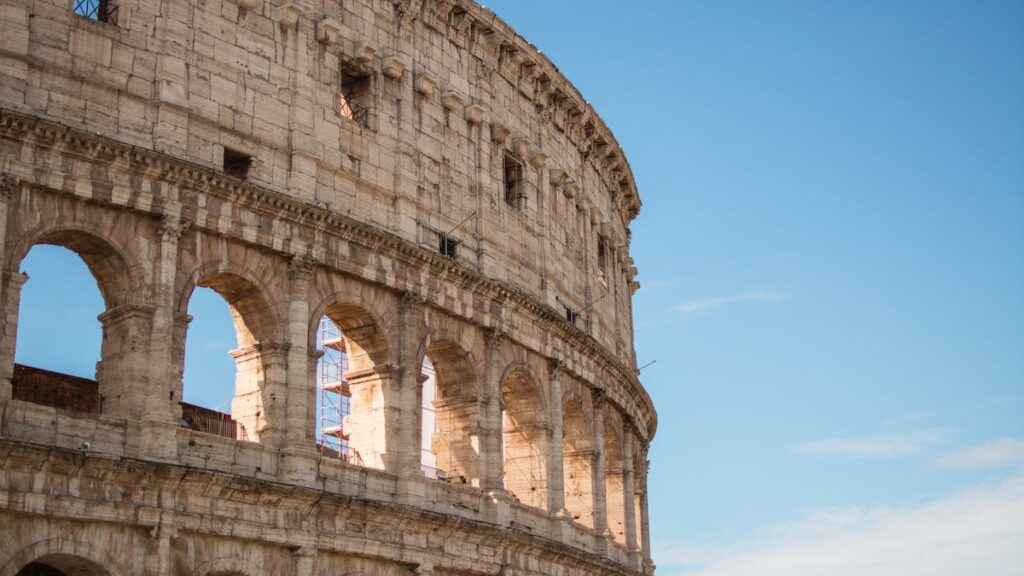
pixel 422 231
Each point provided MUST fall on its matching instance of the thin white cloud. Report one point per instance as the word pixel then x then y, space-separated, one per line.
pixel 979 531
pixel 1002 453
pixel 885 446
pixel 700 305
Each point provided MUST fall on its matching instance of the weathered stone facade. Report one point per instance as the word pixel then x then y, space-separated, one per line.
pixel 413 170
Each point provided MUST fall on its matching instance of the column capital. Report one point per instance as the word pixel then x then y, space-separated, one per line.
pixel 125 311
pixel 492 337
pixel 408 300
pixel 600 397
pixel 300 267
pixel 9 185
pixel 555 367
pixel 172 227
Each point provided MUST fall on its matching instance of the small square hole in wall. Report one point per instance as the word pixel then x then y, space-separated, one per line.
pixel 237 163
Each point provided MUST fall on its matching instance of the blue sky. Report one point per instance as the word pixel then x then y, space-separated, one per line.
pixel 831 258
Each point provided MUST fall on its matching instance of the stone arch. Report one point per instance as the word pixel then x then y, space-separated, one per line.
pixel 366 317
pixel 120 278
pixel 578 450
pixel 252 310
pixel 261 355
pixel 455 350
pixel 73 558
pixel 525 434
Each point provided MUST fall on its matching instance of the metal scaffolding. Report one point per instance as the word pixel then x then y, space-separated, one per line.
pixel 335 397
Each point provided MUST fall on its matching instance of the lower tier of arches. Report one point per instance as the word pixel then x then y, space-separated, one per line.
pixel 77 513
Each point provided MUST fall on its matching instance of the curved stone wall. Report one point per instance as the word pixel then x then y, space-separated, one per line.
pixel 414 171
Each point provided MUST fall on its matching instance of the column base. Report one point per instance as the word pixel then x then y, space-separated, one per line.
pixel 297 465
pixel 499 507
pixel 158 440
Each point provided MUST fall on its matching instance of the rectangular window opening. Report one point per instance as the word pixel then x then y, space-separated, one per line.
pixel 355 97
pixel 513 178
pixel 237 163
pixel 448 246
pixel 602 254
pixel 96 10
pixel 571 315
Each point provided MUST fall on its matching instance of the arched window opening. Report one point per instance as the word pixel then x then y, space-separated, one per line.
pixel 454 439
pixel 68 301
pixel 524 440
pixel 209 375
pixel 58 346
pixel 428 422
pixel 334 400
pixel 242 407
pixel 578 453
pixel 352 374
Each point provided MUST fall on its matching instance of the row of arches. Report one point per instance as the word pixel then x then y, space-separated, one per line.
pixel 230 299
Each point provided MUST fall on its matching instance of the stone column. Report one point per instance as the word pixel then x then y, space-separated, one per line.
pixel 298 453
pixel 645 524
pixel 556 464
pixel 598 481
pixel 401 396
pixel 10 289
pixel 8 337
pixel 124 375
pixel 629 494
pixel 160 401
pixel 491 455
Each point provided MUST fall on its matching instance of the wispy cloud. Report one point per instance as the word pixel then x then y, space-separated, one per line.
pixel 702 304
pixel 1002 453
pixel 884 446
pixel 977 531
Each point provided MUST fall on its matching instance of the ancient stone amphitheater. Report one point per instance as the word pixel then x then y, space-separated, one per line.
pixel 413 171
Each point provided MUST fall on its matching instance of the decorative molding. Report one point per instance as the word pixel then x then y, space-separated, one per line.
pixel 289 14
pixel 393 68
pixel 327 30
pixel 452 100
pixel 425 85
pixel 475 113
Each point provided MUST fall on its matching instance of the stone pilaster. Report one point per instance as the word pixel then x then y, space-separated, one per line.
pixel 13 284
pixel 598 482
pixel 556 463
pixel 629 495
pixel 160 403
pixel 401 398
pixel 8 287
pixel 298 452
pixel 645 524
pixel 304 155
pixel 492 458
